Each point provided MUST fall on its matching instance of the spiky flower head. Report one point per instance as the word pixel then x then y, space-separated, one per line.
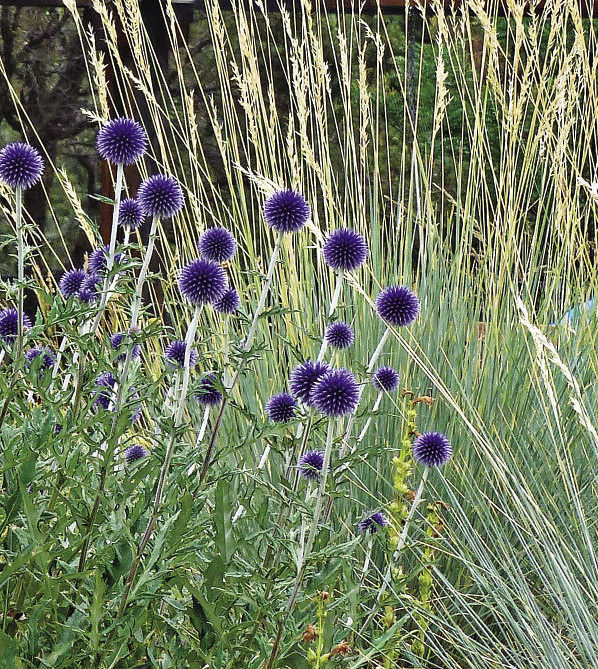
pixel 121 141
pixel 116 341
pixel 9 324
pixel 89 288
pixel 336 393
pixel 228 303
pixel 70 282
pixel 44 354
pixel 202 281
pixel 310 464
pixel 130 214
pixel 397 305
pixel 105 382
pixel 286 211
pixel 98 259
pixel 160 195
pixel 217 244
pixel 174 354
pixel 345 250
pixel 207 393
pixel 432 449
pixel 281 408
pixel 372 523
pixel 339 335
pixel 135 452
pixel 386 379
pixel 303 378
pixel 21 165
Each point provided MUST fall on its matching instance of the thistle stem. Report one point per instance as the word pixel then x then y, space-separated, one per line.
pixel 20 269
pixel 333 304
pixel 143 273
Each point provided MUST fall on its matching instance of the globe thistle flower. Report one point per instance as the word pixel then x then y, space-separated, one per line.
pixel 310 465
pixel 372 523
pixel 175 354
pixel 202 281
pixel 397 305
pixel 134 453
pixel 116 341
pixel 121 141
pixel 47 359
pixel 130 214
pixel 21 165
pixel 336 393
pixel 103 396
pixel 339 335
pixel 303 378
pixel 98 259
pixel 9 324
pixel 281 408
pixel 70 282
pixel 286 211
pixel 57 428
pixel 89 288
pixel 432 449
pixel 228 303
pixel 345 250
pixel 217 244
pixel 207 393
pixel 161 196
pixel 386 379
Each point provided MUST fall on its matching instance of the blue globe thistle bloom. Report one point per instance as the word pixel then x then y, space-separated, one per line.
pixel 134 453
pixel 432 449
pixel 89 288
pixel 9 324
pixel 310 465
pixel 21 165
pixel 281 408
pixel 372 523
pixel 345 250
pixel 228 303
pixel 70 282
pixel 122 141
pixel 397 305
pixel 217 244
pixel 130 214
pixel 58 428
pixel 174 354
pixel 98 259
pixel 202 281
pixel 336 393
pixel 303 378
pixel 160 195
pixel 116 341
pixel 103 396
pixel 339 335
pixel 386 379
pixel 47 359
pixel 286 211
pixel 207 393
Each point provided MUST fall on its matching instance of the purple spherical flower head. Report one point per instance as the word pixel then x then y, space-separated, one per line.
pixel 130 214
pixel 9 324
pixel 310 465
pixel 70 282
pixel 345 250
pixel 336 393
pixel 202 281
pixel 134 453
pixel 116 341
pixel 47 359
pixel 160 195
pixel 432 449
pixel 386 378
pixel 122 141
pixel 207 393
pixel 281 408
pixel 397 305
pixel 228 303
pixel 89 288
pixel 175 354
pixel 339 335
pixel 286 211
pixel 303 378
pixel 105 382
pixel 373 522
pixel 21 165
pixel 98 259
pixel 217 244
